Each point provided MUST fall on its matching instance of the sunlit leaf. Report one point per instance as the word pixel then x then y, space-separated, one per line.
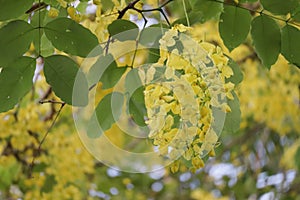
pixel 234 26
pixel 63 74
pixel 70 37
pixel 15 81
pixel 290 44
pixel 266 39
pixel 15 40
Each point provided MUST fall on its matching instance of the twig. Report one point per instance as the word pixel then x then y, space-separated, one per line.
pixel 51 101
pixel 131 6
pixel 43 140
pixel 255 11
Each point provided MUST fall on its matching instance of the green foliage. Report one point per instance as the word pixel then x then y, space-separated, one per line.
pixel 296 14
pixel 297 158
pixel 13 9
pixel 41 43
pixel 206 9
pixel 234 26
pixel 16 81
pixel 237 76
pixel 248 1
pixel 61 72
pixel 70 37
pixel 40 36
pixel 200 12
pixel 290 45
pixel 8 174
pixel 16 37
pixel 233 118
pixel 120 26
pixel 107 70
pixel 136 99
pixel 278 6
pixel 266 39
pixel 107 67
pixel 137 107
pixel 49 184
pixel 109 110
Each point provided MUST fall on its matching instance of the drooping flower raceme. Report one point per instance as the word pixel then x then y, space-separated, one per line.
pixel 186 98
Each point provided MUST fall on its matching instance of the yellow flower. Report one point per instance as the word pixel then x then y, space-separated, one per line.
pixel 197 162
pixel 175 166
pixel 225 108
pixel 53 12
pixel 181 28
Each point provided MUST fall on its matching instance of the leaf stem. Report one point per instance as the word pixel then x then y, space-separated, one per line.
pixel 185 12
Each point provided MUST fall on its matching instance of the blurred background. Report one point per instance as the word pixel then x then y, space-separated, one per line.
pixel 260 161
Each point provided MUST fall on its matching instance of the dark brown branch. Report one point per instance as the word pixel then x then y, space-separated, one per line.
pixel 51 101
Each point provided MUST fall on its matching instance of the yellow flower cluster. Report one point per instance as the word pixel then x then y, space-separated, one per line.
pixel 179 97
pixel 271 97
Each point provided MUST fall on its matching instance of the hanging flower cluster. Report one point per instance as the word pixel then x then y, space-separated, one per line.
pixel 184 96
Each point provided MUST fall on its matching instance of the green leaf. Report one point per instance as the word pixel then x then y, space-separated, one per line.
pixel 12 9
pixel 107 5
pixel 290 44
pixel 123 30
pixel 279 7
pixel 108 70
pixel 297 158
pixel 296 14
pixel 132 81
pixel 41 43
pixel 82 7
pixel 109 110
pixel 70 37
pixel 234 26
pixel 16 37
pixel 15 81
pixel 137 107
pixel 151 35
pixel 8 173
pixel 207 9
pixel 50 182
pixel 66 79
pixel 193 16
pixel 237 76
pixel 247 1
pixel 136 101
pixel 233 118
pixel 266 39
